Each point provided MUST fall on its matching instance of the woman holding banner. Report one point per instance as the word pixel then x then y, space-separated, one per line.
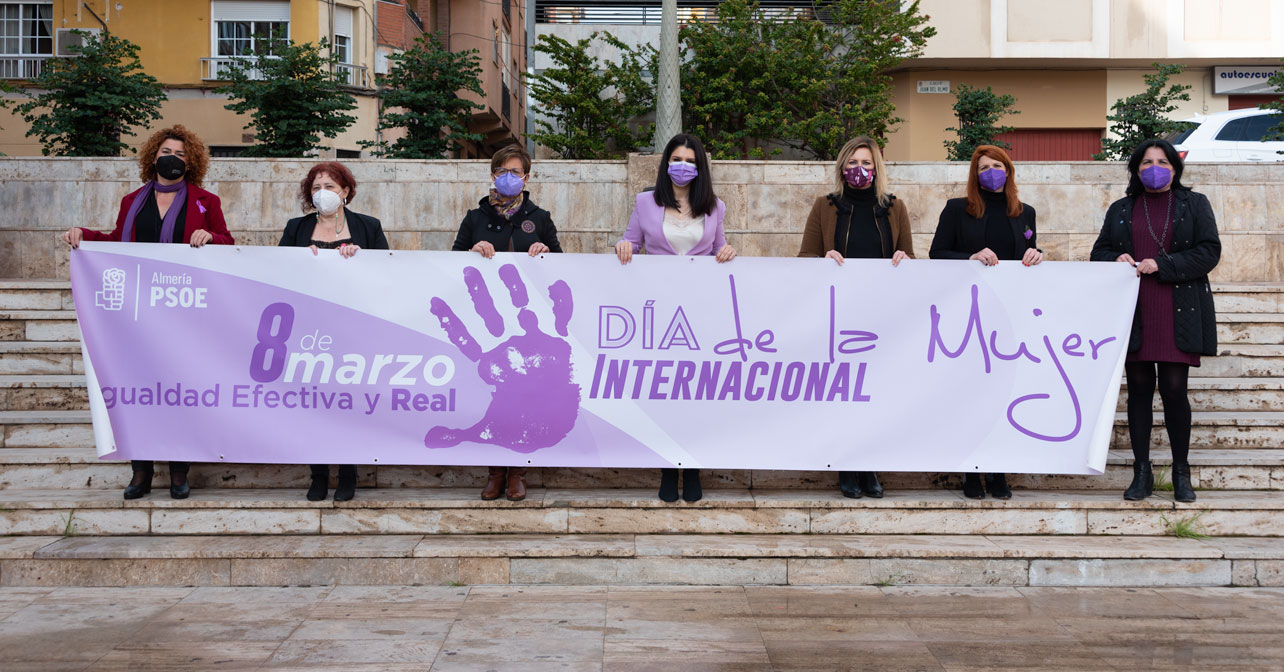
pixel 989 225
pixel 507 220
pixel 1169 234
pixel 681 216
pixel 859 220
pixel 170 207
pixel 329 225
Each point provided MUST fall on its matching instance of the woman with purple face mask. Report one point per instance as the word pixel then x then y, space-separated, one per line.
pixel 1173 232
pixel 859 220
pixel 507 220
pixel 989 225
pixel 681 216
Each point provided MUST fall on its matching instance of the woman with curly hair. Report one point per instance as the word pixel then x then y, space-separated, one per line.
pixel 170 207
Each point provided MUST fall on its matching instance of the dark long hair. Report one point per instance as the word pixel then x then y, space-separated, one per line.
pixel 1135 187
pixel 702 199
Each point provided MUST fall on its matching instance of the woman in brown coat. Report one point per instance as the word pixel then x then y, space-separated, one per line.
pixel 860 220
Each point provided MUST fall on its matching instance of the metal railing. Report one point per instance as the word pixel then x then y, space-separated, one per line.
pixel 22 67
pixel 647 12
pixel 356 76
pixel 216 69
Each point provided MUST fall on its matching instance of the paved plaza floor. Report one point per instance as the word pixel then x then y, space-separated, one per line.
pixel 665 628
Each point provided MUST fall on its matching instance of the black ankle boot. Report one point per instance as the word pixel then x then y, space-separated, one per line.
pixel 178 487
pixel 997 486
pixel 869 484
pixel 849 485
pixel 320 483
pixel 668 485
pixel 972 488
pixel 692 491
pixel 1143 482
pixel 1182 489
pixel 140 484
pixel 346 488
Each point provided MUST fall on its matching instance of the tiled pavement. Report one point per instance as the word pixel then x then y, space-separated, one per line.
pixel 391 628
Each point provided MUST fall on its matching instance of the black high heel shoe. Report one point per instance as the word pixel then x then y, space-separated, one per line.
pixel 849 484
pixel 179 490
pixel 140 484
pixel 972 488
pixel 668 485
pixel 692 491
pixel 997 486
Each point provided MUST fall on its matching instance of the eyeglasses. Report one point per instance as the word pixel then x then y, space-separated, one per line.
pixel 514 172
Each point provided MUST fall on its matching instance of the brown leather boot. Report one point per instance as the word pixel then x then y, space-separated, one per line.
pixel 516 484
pixel 494 484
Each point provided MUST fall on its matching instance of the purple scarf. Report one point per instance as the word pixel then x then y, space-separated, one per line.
pixel 171 215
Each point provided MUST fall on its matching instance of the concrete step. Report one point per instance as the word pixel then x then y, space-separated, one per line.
pixel 35 295
pixel 39 325
pixel 64 392
pixel 640 559
pixel 1242 360
pixel 1263 328
pixel 1226 394
pixel 637 511
pixel 1233 297
pixel 80 468
pixel 1224 429
pixel 40 358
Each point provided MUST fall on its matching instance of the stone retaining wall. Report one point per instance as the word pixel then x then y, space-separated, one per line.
pixel 422 202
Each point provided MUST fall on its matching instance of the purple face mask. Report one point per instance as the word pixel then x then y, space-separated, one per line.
pixel 509 185
pixel 682 172
pixel 858 177
pixel 993 179
pixel 1156 177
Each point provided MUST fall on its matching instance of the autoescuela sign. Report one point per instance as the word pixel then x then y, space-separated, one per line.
pixel 1243 79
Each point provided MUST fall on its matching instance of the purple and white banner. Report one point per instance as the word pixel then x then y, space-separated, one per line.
pixel 264 354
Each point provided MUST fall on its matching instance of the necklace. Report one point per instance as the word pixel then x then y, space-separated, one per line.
pixel 1168 211
pixel 339 224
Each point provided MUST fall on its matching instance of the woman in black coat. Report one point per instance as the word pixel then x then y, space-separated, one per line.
pixel 507 220
pixel 1173 232
pixel 326 191
pixel 990 225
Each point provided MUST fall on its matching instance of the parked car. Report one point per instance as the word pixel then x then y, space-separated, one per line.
pixel 1230 136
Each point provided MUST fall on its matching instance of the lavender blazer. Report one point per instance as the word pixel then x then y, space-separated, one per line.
pixel 646 228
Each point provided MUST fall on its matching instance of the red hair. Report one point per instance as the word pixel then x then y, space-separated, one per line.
pixel 975 206
pixel 337 172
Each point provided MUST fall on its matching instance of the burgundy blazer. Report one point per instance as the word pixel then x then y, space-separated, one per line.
pixel 204 211
pixel 646 228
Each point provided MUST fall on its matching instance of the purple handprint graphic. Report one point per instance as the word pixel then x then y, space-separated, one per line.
pixel 535 402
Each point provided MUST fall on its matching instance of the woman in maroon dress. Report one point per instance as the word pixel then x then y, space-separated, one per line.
pixel 1169 234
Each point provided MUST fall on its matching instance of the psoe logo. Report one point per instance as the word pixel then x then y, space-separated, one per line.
pixel 112 296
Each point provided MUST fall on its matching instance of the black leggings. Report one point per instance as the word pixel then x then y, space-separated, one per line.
pixel 1172 390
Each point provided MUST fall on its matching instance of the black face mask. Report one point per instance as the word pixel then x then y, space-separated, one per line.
pixel 170 167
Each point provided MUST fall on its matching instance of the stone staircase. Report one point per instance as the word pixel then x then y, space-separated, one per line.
pixel 63 521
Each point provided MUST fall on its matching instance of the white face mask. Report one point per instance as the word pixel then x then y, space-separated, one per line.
pixel 327 202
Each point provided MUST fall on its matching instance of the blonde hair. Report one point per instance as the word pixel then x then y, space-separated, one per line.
pixel 880 174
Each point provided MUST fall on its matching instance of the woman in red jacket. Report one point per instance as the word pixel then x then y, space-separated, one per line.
pixel 170 207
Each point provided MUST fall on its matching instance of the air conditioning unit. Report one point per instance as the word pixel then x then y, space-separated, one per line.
pixel 67 38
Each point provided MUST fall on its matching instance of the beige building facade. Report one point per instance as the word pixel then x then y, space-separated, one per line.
pixel 1067 62
pixel 188 44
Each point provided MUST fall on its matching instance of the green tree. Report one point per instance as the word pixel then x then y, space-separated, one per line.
pixel 588 104
pixel 1143 116
pixel 978 112
pixel 292 95
pixel 756 79
pixel 420 96
pixel 87 103
pixel 1276 81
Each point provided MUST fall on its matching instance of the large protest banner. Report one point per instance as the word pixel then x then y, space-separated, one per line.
pixel 248 354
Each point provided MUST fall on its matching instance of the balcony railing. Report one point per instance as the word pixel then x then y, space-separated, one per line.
pixel 217 69
pixel 22 67
pixel 648 12
pixel 356 76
